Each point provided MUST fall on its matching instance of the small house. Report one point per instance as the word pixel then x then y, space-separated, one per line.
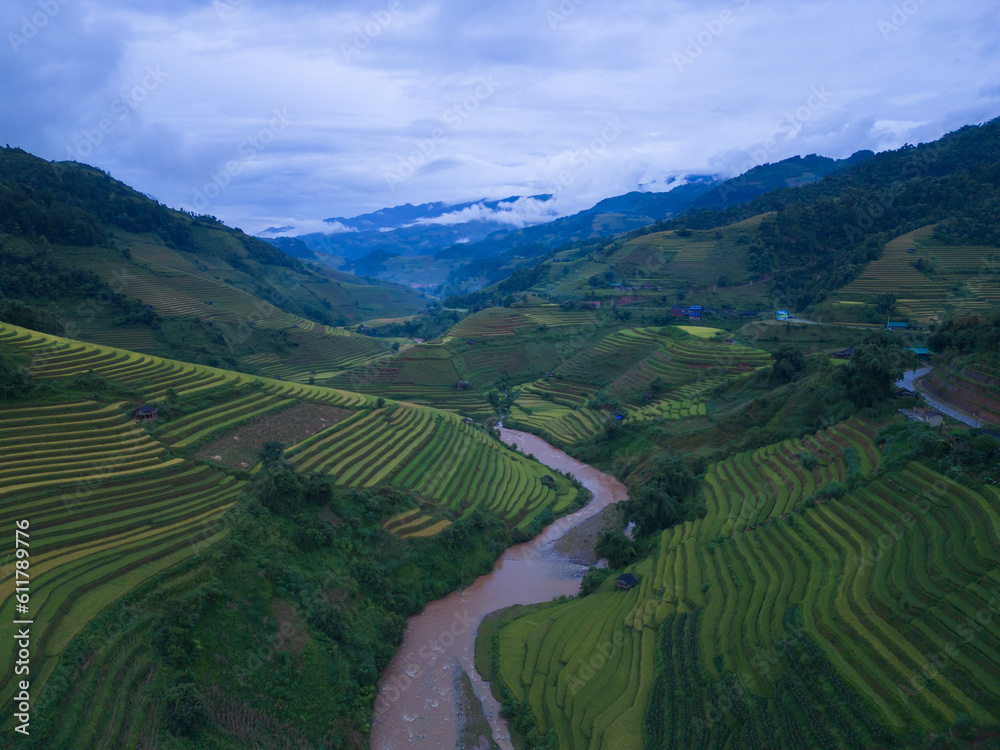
pixel 890 325
pixel 843 353
pixel 462 385
pixel 467 420
pixel 928 415
pixel 626 581
pixel 549 481
pixel 144 413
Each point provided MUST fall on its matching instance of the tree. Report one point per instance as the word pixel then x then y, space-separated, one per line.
pixel 872 370
pixel 789 364
pixel 187 711
pixel 665 498
pixel 885 302
pixel 15 381
pixel 616 548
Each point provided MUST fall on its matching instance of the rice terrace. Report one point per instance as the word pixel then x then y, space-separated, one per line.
pixel 521 417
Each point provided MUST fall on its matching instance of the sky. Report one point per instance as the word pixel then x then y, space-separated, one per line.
pixel 272 114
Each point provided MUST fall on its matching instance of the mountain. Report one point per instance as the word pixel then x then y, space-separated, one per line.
pixel 85 255
pixel 912 232
pixel 378 243
pixel 419 230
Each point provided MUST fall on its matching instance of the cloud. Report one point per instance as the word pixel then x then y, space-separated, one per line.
pixel 519 214
pixel 296 227
pixel 371 82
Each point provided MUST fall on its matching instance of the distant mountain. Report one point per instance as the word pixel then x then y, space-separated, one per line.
pixel 401 217
pixel 456 234
pixel 410 230
pixel 910 233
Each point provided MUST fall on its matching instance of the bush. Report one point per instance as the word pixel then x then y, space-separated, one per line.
pixel 593 578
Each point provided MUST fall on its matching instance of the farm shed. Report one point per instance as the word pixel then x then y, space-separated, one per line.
pixel 626 581
pixel 145 412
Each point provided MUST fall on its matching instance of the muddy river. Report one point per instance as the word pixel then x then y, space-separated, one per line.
pixel 417 703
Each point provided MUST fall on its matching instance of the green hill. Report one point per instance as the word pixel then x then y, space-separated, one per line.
pixel 113 502
pixel 792 614
pixel 821 248
pixel 85 255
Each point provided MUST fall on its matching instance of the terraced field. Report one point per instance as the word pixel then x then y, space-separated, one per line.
pixel 424 374
pixel 831 627
pixel 502 321
pixel 965 278
pixel 173 287
pixel 416 524
pixel 494 321
pixel 320 352
pixel 150 377
pixel 974 388
pixel 408 446
pixel 456 466
pixel 681 368
pixel 108 508
pixel 112 502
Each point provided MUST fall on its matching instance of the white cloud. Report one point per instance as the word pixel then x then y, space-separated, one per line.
pixel 519 214
pixel 357 116
pixel 292 227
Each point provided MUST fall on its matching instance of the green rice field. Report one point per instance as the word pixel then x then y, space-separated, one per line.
pixel 785 617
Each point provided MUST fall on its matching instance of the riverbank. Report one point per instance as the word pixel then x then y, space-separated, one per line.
pixel 577 544
pixel 418 705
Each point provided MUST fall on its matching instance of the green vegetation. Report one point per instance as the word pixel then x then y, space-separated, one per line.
pixel 769 600
pixel 119 506
pixel 813 570
pixel 287 622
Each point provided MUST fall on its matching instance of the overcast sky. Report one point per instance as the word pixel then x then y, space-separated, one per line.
pixel 270 114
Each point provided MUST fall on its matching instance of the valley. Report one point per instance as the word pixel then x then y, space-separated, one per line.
pixel 261 490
